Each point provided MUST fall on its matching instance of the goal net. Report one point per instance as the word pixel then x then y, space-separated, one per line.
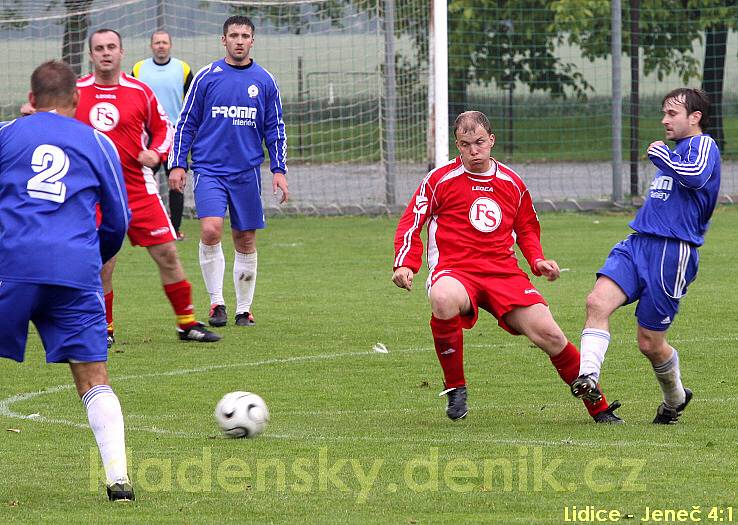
pixel 356 124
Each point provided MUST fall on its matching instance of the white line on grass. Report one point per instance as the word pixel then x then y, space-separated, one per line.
pixel 6 410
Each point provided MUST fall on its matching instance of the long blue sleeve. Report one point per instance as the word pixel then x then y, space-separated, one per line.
pixel 692 162
pixel 113 201
pixel 274 134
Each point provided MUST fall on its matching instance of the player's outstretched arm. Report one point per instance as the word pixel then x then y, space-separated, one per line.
pixel 403 278
pixel 548 268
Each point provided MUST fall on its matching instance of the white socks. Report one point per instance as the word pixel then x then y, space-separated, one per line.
pixel 106 422
pixel 670 380
pixel 593 347
pixel 212 265
pixel 244 280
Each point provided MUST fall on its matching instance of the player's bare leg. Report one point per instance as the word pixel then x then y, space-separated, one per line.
pixel 244 275
pixel 665 362
pixel 106 276
pixel 212 266
pixel 449 301
pixel 179 292
pixel 106 421
pixel 538 325
pixel 603 300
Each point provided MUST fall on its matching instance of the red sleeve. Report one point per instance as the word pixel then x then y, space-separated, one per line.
pixel 408 244
pixel 528 231
pixel 159 127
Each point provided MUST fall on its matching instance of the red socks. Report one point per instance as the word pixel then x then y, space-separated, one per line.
pixel 180 297
pixel 567 365
pixel 449 342
pixel 109 310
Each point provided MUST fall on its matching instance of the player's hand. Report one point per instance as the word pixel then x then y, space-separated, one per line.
pixel 656 143
pixel 280 182
pixel 548 268
pixel 27 109
pixel 177 179
pixel 403 278
pixel 149 158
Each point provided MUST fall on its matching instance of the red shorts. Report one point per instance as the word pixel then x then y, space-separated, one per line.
pixel 150 224
pixel 498 294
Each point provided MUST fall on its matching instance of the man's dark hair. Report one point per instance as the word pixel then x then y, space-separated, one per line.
pixel 694 100
pixel 53 83
pixel 238 20
pixel 469 120
pixel 104 30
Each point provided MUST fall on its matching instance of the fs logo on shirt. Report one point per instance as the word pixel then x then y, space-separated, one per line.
pixel 104 116
pixel 253 91
pixel 485 215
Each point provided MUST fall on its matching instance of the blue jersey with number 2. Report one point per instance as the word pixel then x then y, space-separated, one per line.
pixel 53 171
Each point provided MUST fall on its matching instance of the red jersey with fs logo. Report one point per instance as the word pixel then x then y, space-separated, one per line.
pixel 474 221
pixel 131 116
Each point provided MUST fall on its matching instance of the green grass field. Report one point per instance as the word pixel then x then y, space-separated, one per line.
pixel 361 437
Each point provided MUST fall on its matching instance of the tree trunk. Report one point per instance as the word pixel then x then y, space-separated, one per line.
pixel 713 75
pixel 75 33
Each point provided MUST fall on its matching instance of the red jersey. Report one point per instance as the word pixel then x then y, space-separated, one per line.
pixel 474 221
pixel 131 116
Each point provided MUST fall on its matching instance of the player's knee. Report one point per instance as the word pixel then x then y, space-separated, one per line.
pixel 650 345
pixel 444 304
pixel 596 304
pixel 210 234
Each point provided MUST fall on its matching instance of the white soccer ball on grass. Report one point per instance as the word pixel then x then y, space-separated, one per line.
pixel 242 414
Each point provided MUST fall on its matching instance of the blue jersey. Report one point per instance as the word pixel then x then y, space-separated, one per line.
pixel 228 113
pixel 53 171
pixel 684 191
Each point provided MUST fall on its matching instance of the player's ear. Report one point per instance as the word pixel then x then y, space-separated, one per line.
pixel 31 99
pixel 75 99
pixel 492 140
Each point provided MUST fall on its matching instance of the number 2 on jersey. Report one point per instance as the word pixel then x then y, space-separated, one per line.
pixel 51 164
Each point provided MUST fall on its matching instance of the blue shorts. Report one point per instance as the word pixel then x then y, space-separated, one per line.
pixel 240 193
pixel 655 271
pixel 71 322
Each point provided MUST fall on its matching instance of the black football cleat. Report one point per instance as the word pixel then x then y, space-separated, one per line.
pixel 456 408
pixel 218 316
pixel 608 416
pixel 120 491
pixel 111 339
pixel 585 387
pixel 666 415
pixel 245 319
pixel 198 333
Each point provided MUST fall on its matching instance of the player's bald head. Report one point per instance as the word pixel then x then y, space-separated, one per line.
pixel 468 121
pixel 53 83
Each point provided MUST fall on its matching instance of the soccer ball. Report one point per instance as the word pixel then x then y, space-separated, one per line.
pixel 242 414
